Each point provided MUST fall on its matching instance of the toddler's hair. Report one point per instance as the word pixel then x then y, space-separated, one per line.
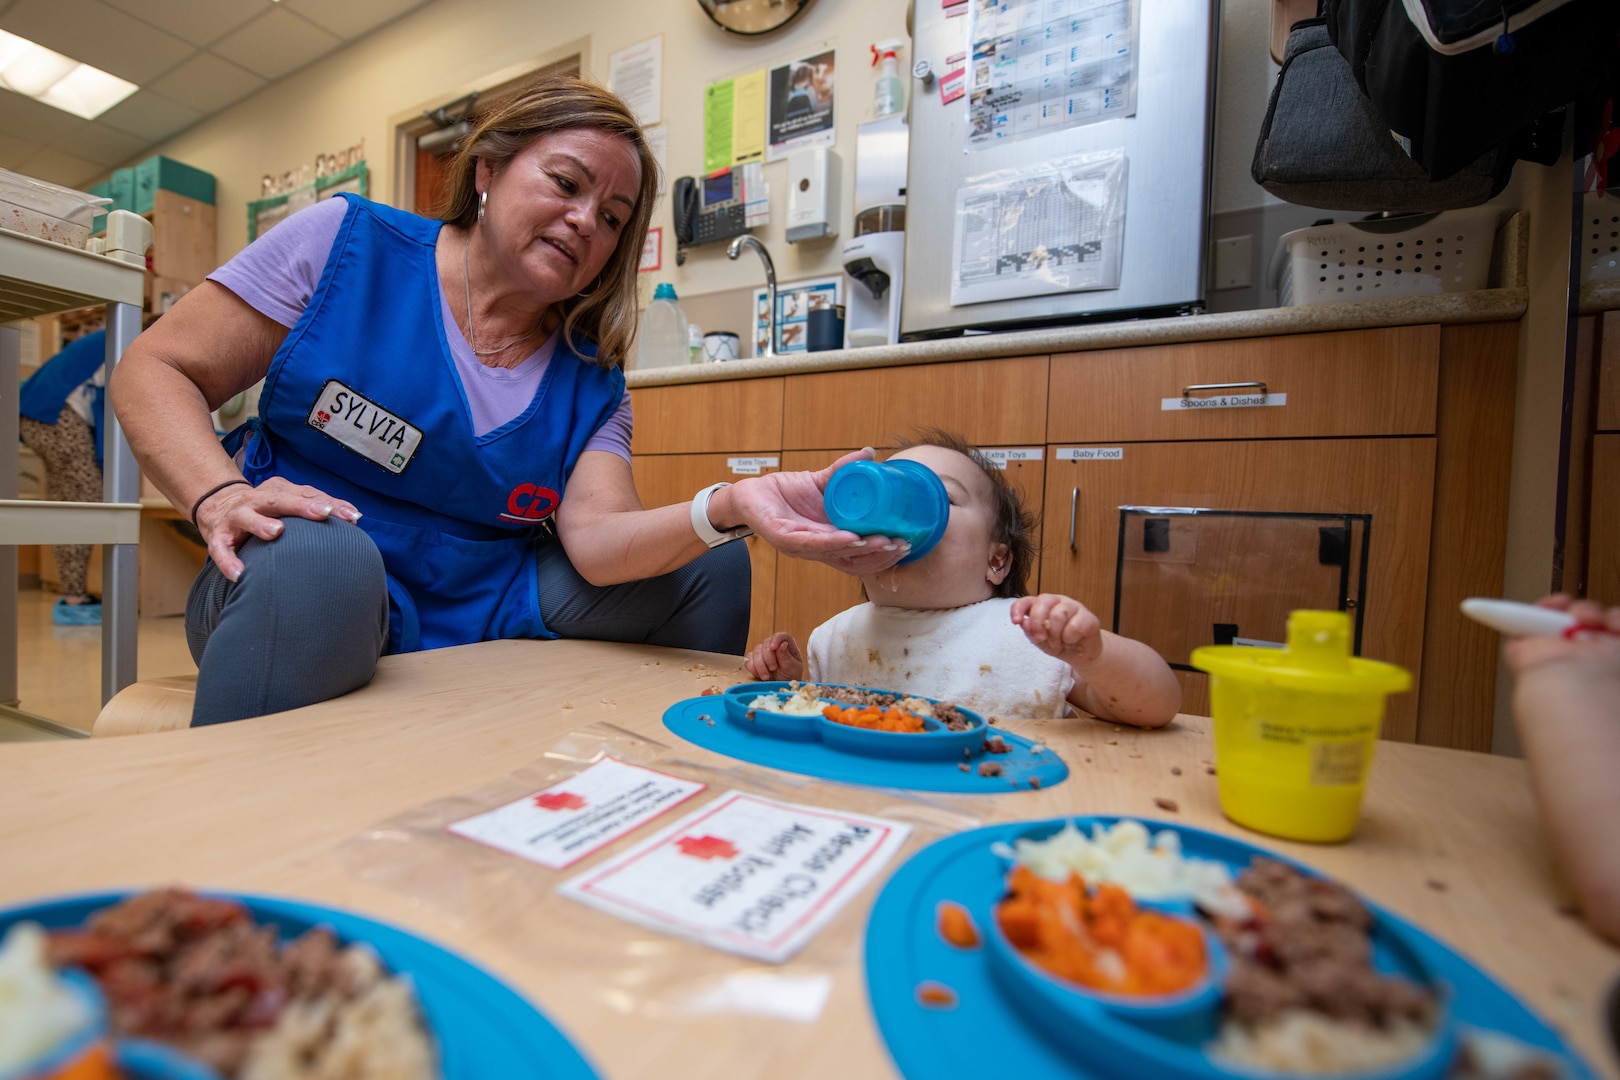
pixel 1011 524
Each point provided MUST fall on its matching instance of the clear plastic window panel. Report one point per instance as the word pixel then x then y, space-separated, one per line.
pixel 1187 577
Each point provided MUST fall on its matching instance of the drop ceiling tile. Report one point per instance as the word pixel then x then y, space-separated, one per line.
pixel 350 19
pixel 200 22
pixel 60 168
pixel 102 144
pixel 97 34
pixel 13 152
pixel 150 116
pixel 276 43
pixel 207 83
pixel 24 118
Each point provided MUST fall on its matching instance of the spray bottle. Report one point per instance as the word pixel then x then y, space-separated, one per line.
pixel 891 92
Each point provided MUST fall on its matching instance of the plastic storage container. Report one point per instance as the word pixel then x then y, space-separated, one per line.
pixel 662 341
pixel 49 211
pixel 1600 236
pixel 159 173
pixel 1295 728
pixel 1363 260
pixel 899 499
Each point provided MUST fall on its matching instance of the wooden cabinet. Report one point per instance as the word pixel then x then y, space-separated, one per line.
pixel 1388 482
pixel 663 479
pixel 987 402
pixel 707 417
pixel 184 247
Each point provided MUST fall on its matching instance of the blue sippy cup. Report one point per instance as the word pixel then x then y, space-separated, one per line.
pixel 902 499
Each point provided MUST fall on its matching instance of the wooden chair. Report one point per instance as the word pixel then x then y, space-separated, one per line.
pixel 153 705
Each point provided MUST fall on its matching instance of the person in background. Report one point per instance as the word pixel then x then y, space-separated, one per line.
pixel 956 625
pixel 1566 703
pixel 61 420
pixel 442 452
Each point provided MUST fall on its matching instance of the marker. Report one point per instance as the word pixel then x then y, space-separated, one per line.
pixel 1512 617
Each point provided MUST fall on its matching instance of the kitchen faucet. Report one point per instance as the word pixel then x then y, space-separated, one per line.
pixel 735 250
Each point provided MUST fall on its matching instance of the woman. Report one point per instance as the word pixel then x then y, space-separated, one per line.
pixel 61 421
pixel 454 388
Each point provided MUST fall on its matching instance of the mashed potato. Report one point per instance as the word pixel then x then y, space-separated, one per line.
pixel 38 1013
pixel 1148 867
pixel 1304 1043
pixel 802 702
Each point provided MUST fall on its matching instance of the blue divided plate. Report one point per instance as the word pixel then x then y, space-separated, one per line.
pixel 484 1028
pixel 987 1033
pixel 702 720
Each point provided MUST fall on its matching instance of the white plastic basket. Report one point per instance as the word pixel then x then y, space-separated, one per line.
pixel 1364 260
pixel 1600 237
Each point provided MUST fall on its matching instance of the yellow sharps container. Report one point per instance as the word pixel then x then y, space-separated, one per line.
pixel 1295 727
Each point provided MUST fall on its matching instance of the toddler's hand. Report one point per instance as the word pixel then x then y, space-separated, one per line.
pixel 1061 626
pixel 777 657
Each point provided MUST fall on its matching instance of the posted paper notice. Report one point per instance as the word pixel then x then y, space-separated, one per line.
pixel 744 874
pixel 636 74
pixel 562 824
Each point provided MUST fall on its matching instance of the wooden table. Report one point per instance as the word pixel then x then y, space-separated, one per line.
pixel 278 804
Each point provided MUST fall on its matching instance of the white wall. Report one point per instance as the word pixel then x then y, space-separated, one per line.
pixel 427 55
pixel 1244 77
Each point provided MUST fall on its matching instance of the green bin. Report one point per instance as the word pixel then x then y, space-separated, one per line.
pixel 165 174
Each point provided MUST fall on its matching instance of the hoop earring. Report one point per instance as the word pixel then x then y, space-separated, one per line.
pixel 483 197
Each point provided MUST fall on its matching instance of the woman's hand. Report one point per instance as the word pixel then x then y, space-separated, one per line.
pixel 232 514
pixel 776 658
pixel 786 510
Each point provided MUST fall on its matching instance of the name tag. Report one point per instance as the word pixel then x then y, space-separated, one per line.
pixel 365 427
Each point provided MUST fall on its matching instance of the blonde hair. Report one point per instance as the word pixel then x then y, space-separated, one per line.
pixel 607 314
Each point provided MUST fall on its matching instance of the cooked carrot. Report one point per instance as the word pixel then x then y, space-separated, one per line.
pixel 936 995
pixel 956 925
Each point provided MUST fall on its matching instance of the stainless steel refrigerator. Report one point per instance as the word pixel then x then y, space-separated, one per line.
pixel 987 246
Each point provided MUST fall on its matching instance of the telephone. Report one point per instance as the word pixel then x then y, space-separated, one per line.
pixel 708 212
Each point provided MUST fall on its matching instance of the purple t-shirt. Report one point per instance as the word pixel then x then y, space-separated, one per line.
pixel 276 275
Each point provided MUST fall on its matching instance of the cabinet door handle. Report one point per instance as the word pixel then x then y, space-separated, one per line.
pixel 1189 391
pixel 1074 513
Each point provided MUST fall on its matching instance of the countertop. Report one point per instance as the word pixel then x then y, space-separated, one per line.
pixel 1488 305
pixel 341 803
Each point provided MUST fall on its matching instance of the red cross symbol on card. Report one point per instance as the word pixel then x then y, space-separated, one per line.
pixel 707 847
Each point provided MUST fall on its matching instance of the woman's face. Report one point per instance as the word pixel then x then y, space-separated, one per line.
pixel 557 210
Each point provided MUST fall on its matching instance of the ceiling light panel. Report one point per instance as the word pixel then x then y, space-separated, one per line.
pixel 57 80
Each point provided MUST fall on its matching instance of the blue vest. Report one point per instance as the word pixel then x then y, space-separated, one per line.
pixel 363 401
pixel 42 396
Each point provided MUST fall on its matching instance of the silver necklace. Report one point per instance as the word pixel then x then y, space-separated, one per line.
pixel 466 280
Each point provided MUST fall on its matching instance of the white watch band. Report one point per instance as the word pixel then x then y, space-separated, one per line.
pixel 700 519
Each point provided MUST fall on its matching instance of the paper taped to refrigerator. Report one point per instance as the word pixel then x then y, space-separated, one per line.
pixel 1040 66
pixel 1050 228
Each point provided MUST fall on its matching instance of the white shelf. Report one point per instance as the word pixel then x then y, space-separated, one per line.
pixel 29 521
pixel 38 277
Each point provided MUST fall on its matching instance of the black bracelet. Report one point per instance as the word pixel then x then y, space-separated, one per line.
pixel 215 490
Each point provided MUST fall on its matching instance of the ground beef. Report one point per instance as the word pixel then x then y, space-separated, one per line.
pixel 195 973
pixel 1308 946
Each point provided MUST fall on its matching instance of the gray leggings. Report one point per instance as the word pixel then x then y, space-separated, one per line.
pixel 309 617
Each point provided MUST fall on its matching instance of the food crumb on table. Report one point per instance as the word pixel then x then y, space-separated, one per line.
pixel 963 766
pixel 935 995
pixel 711 691
pixel 1035 782
pixel 995 744
pixel 1210 769
pixel 1437 885
pixel 1175 770
pixel 1169 806
pixel 990 768
pixel 956 926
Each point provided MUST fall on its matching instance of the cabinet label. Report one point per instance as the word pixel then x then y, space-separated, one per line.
pixel 999 458
pixel 1089 453
pixel 1225 401
pixel 751 466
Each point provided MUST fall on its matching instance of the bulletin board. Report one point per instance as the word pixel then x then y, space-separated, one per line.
pixel 263 214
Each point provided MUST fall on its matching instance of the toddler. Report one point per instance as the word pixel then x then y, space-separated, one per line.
pixel 1566 702
pixel 956 625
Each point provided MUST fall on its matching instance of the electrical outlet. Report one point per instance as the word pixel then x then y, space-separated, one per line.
pixel 1233 258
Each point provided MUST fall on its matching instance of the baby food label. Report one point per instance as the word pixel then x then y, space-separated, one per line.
pixel 751 466
pixel 1090 453
pixel 744 874
pixel 999 458
pixel 365 427
pixel 1225 401
pixel 562 824
pixel 1335 763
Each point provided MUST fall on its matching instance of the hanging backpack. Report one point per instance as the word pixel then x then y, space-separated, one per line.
pixel 1458 79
